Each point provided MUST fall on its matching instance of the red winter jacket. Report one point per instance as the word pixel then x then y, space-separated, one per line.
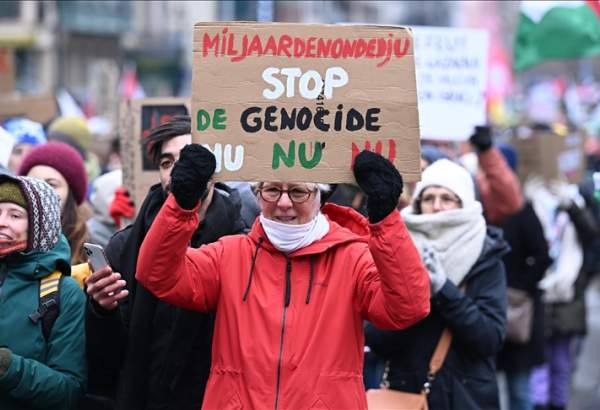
pixel 289 329
pixel 499 187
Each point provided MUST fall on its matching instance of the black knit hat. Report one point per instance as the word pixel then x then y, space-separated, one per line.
pixel 43 209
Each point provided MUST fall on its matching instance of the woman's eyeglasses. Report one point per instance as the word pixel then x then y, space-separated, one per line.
pixel 296 194
pixel 445 200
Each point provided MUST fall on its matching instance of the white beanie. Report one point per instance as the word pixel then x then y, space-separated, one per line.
pixel 449 175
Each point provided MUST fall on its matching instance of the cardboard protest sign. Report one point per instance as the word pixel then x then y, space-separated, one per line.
pixel 40 108
pixel 136 119
pixel 298 102
pixel 451 70
pixel 549 155
pixel 7 71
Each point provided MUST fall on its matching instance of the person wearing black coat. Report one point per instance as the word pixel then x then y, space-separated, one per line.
pixel 525 267
pixel 143 353
pixel 464 260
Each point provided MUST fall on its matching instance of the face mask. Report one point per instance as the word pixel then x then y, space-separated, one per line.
pixel 288 238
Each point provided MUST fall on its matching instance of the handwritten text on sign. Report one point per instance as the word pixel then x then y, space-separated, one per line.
pixel 298 102
pixel 452 77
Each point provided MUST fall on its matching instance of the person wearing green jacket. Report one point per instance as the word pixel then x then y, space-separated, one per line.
pixel 38 370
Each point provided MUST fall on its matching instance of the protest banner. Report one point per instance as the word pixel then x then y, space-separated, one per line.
pixel 40 108
pixel 136 119
pixel 451 71
pixel 7 71
pixel 548 155
pixel 298 102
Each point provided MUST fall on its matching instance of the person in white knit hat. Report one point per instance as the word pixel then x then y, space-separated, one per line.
pixel 468 295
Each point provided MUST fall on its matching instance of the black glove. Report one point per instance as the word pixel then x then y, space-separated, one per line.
pixel 191 174
pixel 380 181
pixel 482 138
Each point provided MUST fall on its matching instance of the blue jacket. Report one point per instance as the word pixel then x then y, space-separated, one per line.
pixel 467 380
pixel 42 375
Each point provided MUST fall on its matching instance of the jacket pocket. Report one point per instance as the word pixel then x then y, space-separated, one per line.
pixel 222 391
pixel 340 392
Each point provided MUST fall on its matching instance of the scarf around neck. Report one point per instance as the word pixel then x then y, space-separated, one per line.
pixel 457 236
pixel 288 238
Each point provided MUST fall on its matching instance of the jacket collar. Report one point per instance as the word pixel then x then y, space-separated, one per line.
pixel 345 225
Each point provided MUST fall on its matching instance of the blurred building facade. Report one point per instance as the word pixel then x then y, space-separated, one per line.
pixel 82 46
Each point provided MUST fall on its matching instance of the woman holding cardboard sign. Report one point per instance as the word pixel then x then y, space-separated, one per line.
pixel 292 295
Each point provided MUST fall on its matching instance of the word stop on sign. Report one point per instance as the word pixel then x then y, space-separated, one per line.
pixel 310 84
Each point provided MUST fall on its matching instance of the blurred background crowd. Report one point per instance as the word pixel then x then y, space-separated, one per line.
pixel 66 65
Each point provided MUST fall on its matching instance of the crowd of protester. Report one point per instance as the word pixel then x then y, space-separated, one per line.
pixel 276 294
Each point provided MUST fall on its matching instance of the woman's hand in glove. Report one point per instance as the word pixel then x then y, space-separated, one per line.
pixel 380 181
pixel 437 275
pixel 481 138
pixel 190 175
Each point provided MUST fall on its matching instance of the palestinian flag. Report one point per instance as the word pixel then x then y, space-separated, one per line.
pixel 556 30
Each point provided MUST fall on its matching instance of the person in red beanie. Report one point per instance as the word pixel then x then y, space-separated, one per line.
pixel 61 166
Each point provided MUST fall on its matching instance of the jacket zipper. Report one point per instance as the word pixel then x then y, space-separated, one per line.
pixel 286 303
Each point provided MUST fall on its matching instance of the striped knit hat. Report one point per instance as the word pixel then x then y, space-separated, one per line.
pixel 43 209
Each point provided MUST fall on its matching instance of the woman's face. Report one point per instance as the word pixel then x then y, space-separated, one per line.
pixel 16 157
pixel 294 203
pixel 13 222
pixel 54 179
pixel 436 199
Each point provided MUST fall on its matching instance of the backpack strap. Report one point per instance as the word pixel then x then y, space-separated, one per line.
pixel 48 308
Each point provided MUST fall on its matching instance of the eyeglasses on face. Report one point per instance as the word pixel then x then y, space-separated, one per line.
pixel 445 200
pixel 296 194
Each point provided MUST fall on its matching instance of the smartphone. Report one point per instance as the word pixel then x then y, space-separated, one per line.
pixel 96 256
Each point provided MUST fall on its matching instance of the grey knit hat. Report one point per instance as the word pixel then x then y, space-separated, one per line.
pixel 43 209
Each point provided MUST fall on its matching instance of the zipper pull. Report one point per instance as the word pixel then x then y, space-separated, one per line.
pixel 288 282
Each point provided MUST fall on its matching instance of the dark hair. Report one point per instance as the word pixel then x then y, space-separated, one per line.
pixel 75 229
pixel 176 126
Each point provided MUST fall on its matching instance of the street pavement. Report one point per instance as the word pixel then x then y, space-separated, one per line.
pixel 586 381
pixel 585 388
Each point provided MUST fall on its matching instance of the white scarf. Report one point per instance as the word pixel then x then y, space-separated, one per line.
pixel 456 235
pixel 288 238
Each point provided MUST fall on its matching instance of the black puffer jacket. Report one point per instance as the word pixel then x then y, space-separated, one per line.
pixel 477 321
pixel 148 354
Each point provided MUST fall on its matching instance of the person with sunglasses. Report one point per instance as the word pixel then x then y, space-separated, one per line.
pixel 290 296
pixel 468 296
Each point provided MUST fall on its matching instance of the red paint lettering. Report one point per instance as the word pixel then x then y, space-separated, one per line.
pixel 401 53
pixel 349 46
pixel 337 48
pixel 310 47
pixel 255 46
pixel 323 47
pixel 208 44
pixel 378 149
pixel 371 48
pixel 285 42
pixel 271 47
pixel 299 47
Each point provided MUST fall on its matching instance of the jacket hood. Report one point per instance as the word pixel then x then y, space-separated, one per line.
pixel 43 212
pixel 37 264
pixel 345 225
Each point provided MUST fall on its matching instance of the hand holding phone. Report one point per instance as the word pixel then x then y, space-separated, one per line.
pixel 104 286
pixel 96 256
